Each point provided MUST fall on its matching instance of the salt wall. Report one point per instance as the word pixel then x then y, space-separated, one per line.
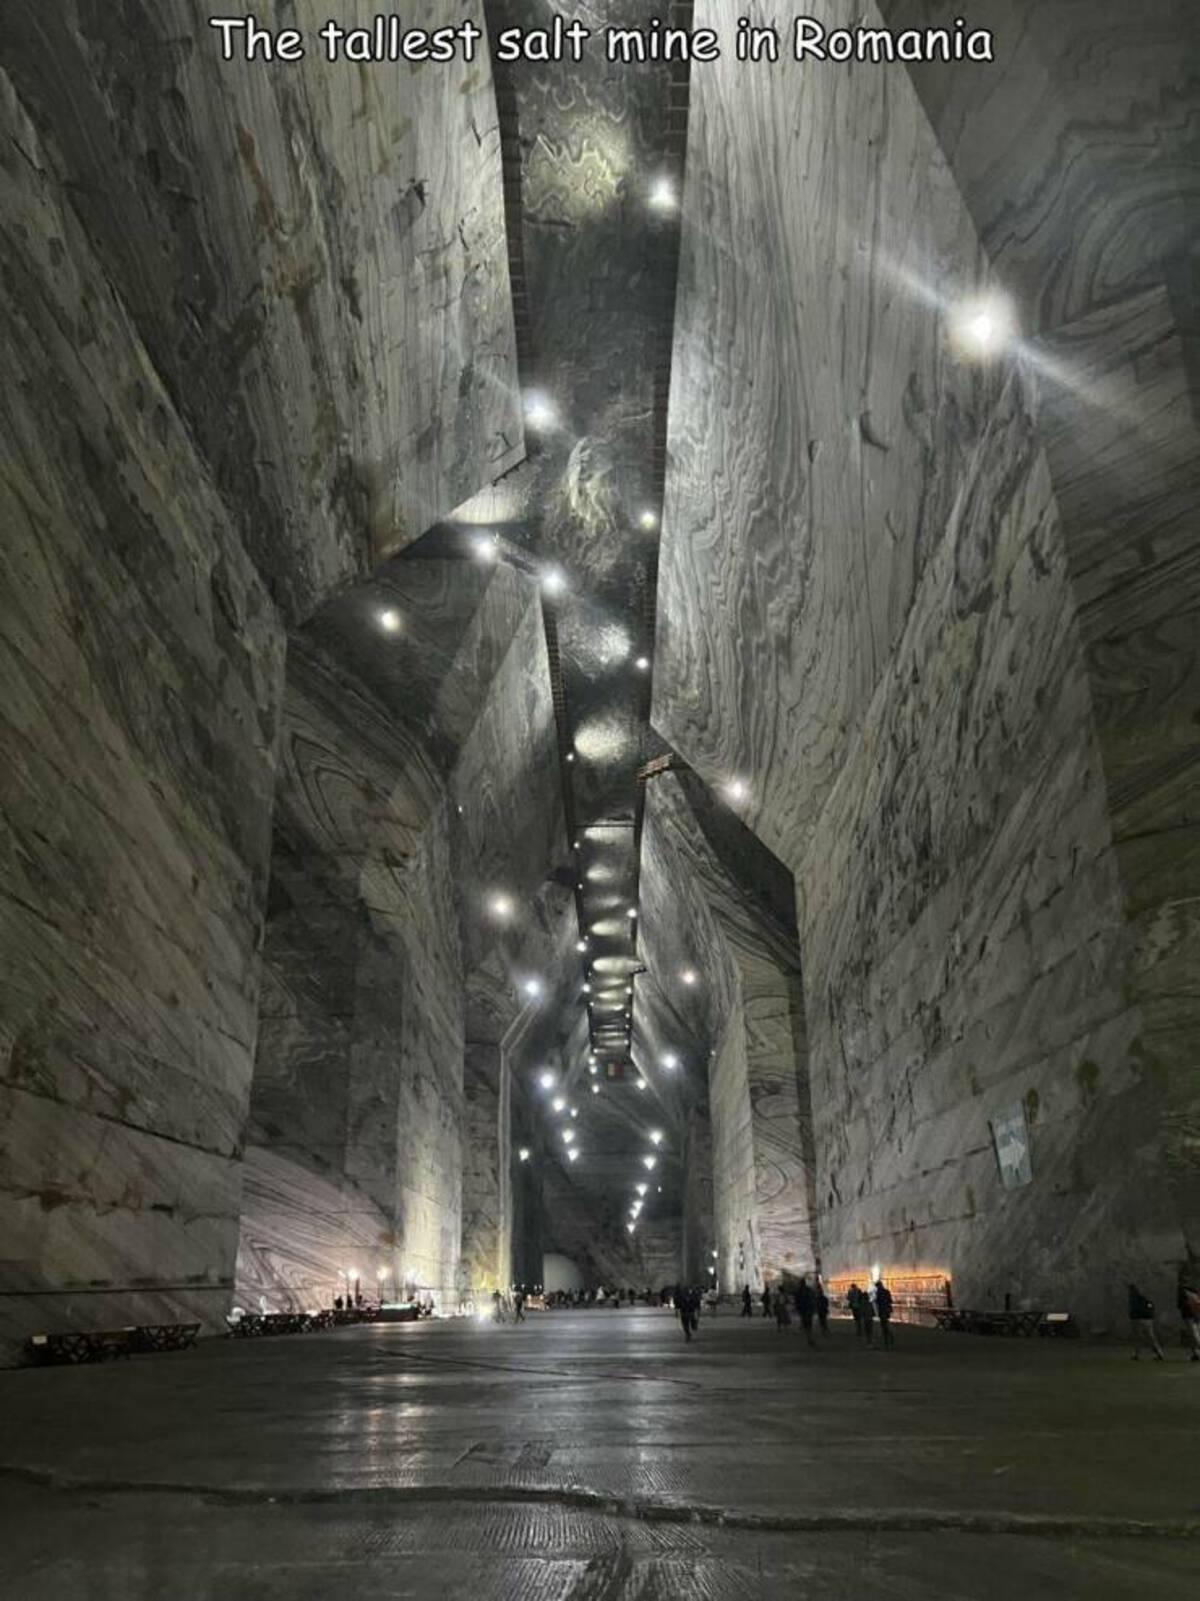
pixel 873 608
pixel 239 375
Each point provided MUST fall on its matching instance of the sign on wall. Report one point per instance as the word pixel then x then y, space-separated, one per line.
pixel 1010 1135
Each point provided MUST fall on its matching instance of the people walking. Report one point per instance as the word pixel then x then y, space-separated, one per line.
pixel 822 1308
pixel 1189 1312
pixel 766 1300
pixel 519 1305
pixel 883 1308
pixel 747 1302
pixel 1141 1321
pixel 806 1307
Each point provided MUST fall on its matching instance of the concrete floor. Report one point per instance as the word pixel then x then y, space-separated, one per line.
pixel 593 1454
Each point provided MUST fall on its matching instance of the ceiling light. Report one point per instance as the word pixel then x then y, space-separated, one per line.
pixel 662 195
pixel 547 1080
pixel 554 581
pixel 568 1134
pixel 587 989
pixel 983 326
pixel 648 519
pixel 593 1069
pixel 532 988
pixel 650 1162
pixel 559 1104
pixel 641 1084
pixel 641 1188
pixel 523 1154
pixel 595 1089
pixel 632 912
pixel 670 1061
pixel 539 413
pixel 656 1136
pixel 574 1111
pixel 570 755
pixel 573 1153
pixel 486 547
pixel 631 1227
pixel 500 906
pixel 737 791
pixel 389 620
pixel 642 664
pixel 581 945
pixel 688 975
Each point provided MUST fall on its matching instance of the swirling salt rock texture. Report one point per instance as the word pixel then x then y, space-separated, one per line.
pixel 143 672
pixel 314 256
pixel 867 612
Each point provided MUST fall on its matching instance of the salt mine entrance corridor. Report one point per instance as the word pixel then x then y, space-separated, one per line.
pixel 599 755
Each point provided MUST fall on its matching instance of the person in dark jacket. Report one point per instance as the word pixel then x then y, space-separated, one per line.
pixel 766 1300
pixel 854 1300
pixel 866 1309
pixel 822 1308
pixel 883 1308
pixel 1141 1321
pixel 687 1304
pixel 806 1308
pixel 747 1302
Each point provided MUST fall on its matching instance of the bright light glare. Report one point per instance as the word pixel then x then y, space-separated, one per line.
pixel 631 1227
pixel 736 790
pixel 662 195
pixel 569 1135
pixel 595 1089
pixel 648 519
pixel 532 988
pixel 641 1188
pixel 573 1153
pixel 389 620
pixel 656 1136
pixel 688 975
pixel 670 1061
pixel 650 1162
pixel 984 326
pixel 559 1104
pixel 539 413
pixel 500 906
pixel 547 1080
pixel 486 547
pixel 581 945
pixel 554 581
pixel 642 664
pixel 641 1084
pixel 523 1153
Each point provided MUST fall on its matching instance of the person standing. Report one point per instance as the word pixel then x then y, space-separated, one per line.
pixel 1141 1321
pixel 783 1316
pixel 822 1308
pixel 766 1300
pixel 854 1300
pixel 883 1306
pixel 747 1302
pixel 867 1313
pixel 1189 1313
pixel 806 1307
pixel 519 1304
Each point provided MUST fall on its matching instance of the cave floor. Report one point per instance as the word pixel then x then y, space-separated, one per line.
pixel 593 1454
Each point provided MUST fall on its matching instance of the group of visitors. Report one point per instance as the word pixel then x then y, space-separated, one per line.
pixel 810 1303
